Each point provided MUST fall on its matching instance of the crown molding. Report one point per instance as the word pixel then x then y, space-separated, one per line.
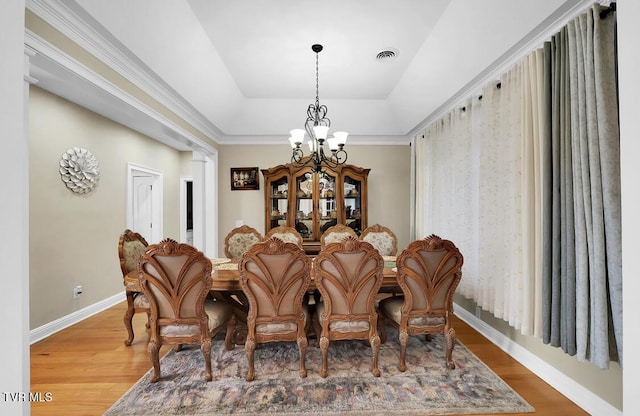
pixel 47 58
pixel 282 140
pixel 73 22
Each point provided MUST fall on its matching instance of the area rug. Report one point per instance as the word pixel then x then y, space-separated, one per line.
pixel 426 388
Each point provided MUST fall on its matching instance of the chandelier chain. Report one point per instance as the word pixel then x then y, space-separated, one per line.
pixel 317 86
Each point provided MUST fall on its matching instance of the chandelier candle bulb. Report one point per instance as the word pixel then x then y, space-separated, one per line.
pixel 333 144
pixel 297 137
pixel 341 137
pixel 338 140
pixel 321 132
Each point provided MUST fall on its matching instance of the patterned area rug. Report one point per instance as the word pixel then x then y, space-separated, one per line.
pixel 426 388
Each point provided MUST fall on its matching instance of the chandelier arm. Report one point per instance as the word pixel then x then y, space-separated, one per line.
pixel 297 156
pixel 341 156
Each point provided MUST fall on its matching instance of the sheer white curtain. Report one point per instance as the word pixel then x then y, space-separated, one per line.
pixel 448 186
pixel 534 122
pixel 481 190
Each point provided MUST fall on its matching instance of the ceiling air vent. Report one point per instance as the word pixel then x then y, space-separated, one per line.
pixel 387 55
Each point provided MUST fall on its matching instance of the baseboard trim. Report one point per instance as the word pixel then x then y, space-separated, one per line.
pixel 59 324
pixel 581 396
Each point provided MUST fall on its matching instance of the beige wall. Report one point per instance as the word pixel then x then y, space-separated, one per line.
pixel 73 238
pixel 388 185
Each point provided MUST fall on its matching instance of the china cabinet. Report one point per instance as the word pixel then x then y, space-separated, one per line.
pixel 312 202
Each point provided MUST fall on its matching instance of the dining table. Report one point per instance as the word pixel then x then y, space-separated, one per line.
pixel 225 286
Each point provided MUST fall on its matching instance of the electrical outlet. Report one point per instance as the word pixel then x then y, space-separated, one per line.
pixel 77 291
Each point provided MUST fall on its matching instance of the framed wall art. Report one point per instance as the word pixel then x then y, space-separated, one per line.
pixel 243 179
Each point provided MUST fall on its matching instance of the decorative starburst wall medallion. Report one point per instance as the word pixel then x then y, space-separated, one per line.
pixel 79 170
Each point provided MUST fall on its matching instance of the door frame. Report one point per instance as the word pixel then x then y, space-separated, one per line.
pixel 205 201
pixel 156 195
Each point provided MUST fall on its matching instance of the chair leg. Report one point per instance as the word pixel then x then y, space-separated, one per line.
pixel 404 339
pixel 375 351
pixel 228 337
pixel 206 352
pixel 316 326
pixel 450 339
pixel 382 331
pixel 302 348
pixel 250 347
pixel 128 317
pixel 153 348
pixel 324 347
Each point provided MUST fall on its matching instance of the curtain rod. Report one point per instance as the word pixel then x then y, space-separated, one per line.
pixel 605 12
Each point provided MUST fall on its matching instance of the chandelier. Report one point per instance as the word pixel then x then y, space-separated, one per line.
pixel 317 128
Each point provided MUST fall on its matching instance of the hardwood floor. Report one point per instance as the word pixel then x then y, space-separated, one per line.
pixel 87 367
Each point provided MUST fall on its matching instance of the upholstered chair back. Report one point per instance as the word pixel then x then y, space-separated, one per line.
pixel 178 278
pixel 239 240
pixel 286 234
pixel 276 275
pixel 130 248
pixel 382 238
pixel 349 279
pixel 430 271
pixel 336 234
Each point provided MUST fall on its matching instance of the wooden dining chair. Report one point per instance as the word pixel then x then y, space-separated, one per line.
pixel 348 274
pixel 239 240
pixel 275 275
pixel 176 279
pixel 286 234
pixel 131 246
pixel 429 271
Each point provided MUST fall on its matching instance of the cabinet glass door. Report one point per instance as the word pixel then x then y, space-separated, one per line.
pixel 304 205
pixel 327 207
pixel 353 203
pixel 279 189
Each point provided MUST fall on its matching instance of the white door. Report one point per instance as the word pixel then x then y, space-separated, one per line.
pixel 144 202
pixel 143 205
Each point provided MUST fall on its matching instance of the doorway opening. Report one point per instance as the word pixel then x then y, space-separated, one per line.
pixel 186 210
